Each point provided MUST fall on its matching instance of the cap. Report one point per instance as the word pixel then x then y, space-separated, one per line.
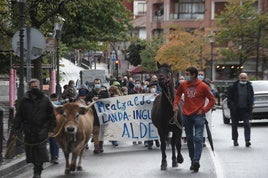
pixel 152 83
pixel 82 92
pixel 116 83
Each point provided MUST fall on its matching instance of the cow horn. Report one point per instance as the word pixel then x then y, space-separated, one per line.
pixel 91 104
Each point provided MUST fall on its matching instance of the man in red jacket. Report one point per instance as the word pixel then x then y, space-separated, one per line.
pixel 195 93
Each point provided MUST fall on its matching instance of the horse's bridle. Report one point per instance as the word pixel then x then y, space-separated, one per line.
pixel 166 81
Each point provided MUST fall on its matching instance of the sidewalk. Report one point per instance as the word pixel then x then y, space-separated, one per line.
pixel 11 165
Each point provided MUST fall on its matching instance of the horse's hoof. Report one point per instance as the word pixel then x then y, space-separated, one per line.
pixel 72 168
pixel 163 167
pixel 67 171
pixel 174 164
pixel 79 168
pixel 180 159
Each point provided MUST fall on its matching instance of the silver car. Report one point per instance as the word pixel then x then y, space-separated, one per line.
pixel 260 110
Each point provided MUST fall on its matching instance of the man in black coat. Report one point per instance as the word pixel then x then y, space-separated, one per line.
pixel 240 98
pixel 35 116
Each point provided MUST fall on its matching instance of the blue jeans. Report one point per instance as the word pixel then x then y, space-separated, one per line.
pixel 194 127
pixel 54 148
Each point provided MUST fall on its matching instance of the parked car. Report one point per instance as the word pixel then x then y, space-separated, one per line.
pixel 260 109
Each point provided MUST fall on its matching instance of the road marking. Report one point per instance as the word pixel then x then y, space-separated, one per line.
pixel 218 169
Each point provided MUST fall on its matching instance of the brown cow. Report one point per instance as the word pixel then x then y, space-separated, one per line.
pixel 73 131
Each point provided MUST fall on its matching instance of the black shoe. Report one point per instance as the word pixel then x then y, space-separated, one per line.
pixel 54 161
pixel 236 143
pixel 157 143
pixel 150 147
pixel 248 143
pixel 192 166
pixel 196 166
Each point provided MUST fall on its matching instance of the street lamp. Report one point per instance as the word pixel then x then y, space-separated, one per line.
pixel 21 35
pixel 57 29
pixel 212 41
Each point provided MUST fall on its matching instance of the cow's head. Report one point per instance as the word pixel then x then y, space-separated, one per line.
pixel 69 115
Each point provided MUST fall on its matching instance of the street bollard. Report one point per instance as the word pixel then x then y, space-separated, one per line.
pixel 10 118
pixel 1 133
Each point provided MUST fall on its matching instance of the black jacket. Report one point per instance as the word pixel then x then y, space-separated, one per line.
pixel 36 118
pixel 103 93
pixel 232 96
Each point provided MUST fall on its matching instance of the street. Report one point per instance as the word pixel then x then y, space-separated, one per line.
pixel 129 160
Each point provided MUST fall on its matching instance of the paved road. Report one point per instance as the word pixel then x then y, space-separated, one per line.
pixel 241 162
pixel 129 161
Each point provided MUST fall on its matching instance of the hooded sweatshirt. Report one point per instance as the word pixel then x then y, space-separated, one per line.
pixel 195 94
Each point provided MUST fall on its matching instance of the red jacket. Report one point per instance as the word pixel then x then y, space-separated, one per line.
pixel 195 94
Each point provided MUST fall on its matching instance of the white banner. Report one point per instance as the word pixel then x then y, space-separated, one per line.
pixel 126 118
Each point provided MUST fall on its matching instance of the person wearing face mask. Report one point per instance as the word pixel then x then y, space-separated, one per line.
pixel 240 100
pixel 137 87
pixel 195 93
pixel 35 116
pixel 98 92
pixel 180 80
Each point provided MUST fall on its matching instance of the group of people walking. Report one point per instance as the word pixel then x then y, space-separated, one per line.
pixel 35 115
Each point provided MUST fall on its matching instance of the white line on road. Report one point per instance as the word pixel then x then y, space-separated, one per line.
pixel 217 165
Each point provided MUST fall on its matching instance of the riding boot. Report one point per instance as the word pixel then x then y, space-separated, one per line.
pixel 96 130
pixel 101 146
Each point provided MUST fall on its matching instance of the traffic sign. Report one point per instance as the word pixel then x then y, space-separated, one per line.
pixel 33 41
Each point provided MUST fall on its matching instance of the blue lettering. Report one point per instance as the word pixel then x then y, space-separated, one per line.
pixel 129 103
pixel 151 131
pixel 133 131
pixel 143 132
pixel 136 101
pixel 142 114
pixel 116 117
pixel 101 107
pixel 105 119
pixel 125 131
pixel 142 101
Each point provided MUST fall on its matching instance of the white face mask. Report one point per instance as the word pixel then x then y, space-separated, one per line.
pixel 137 85
pixel 97 86
pixel 201 77
pixel 153 90
pixel 188 78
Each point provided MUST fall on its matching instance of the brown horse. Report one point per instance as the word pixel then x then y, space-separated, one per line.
pixel 164 118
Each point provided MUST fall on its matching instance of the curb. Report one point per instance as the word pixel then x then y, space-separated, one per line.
pixel 11 166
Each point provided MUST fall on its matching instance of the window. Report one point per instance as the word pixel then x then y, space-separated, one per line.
pixel 219 7
pixel 191 9
pixel 141 8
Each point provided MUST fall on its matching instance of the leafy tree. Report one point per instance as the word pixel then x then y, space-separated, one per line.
pixel 183 49
pixel 86 21
pixel 243 29
pixel 149 53
pixel 134 51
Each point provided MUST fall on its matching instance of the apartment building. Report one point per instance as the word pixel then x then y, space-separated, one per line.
pixel 190 14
